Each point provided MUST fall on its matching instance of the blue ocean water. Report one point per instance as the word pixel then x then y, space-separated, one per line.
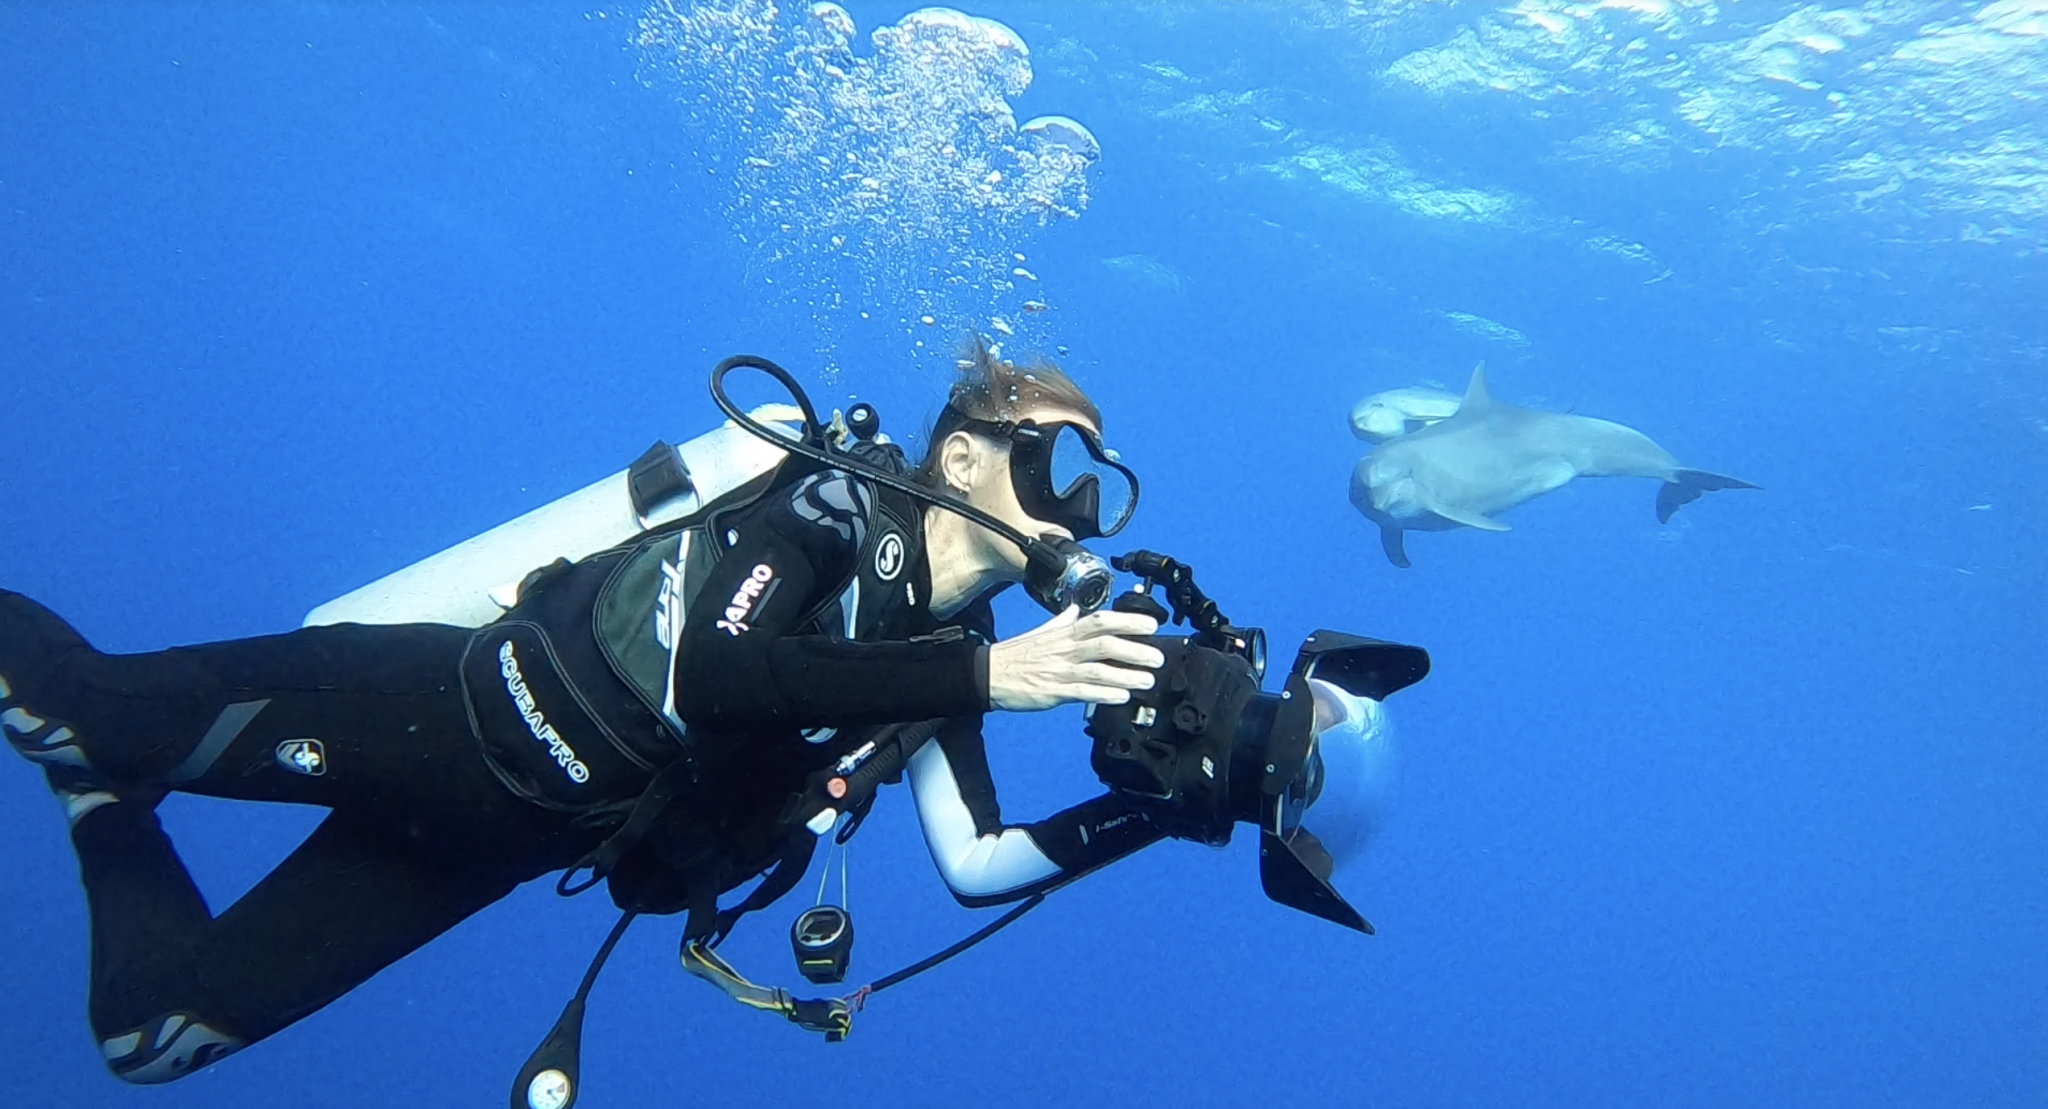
pixel 1742 810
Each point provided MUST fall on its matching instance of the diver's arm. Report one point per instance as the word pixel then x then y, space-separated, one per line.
pixel 739 668
pixel 987 863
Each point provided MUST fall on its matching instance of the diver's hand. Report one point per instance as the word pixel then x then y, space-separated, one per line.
pixel 1073 658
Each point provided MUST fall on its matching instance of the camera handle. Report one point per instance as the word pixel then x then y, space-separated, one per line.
pixel 1191 606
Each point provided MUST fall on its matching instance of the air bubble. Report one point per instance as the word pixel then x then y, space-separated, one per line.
pixel 1061 133
pixel 897 174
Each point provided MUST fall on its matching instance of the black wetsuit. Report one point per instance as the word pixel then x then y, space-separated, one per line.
pixel 427 825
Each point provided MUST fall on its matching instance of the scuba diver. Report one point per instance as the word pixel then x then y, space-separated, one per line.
pixel 832 604
pixel 676 715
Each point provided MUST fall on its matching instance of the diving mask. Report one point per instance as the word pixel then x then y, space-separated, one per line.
pixel 1062 473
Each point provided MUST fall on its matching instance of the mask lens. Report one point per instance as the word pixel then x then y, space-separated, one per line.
pixel 1075 459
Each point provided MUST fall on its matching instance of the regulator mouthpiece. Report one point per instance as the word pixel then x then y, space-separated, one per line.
pixel 1063 574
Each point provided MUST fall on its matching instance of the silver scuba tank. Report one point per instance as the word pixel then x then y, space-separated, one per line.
pixel 477 580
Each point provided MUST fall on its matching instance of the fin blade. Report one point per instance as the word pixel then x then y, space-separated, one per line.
pixel 1390 542
pixel 1477 398
pixel 1464 518
pixel 1686 486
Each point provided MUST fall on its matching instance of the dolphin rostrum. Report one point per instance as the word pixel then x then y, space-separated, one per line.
pixel 1491 456
pixel 1383 416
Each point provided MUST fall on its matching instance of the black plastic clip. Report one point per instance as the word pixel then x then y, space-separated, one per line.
pixel 830 1016
pixel 656 477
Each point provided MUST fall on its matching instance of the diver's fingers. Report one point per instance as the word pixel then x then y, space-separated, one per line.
pixel 1111 622
pixel 1117 649
pixel 1118 677
pixel 1097 694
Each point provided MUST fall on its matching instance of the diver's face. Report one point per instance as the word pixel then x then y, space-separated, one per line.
pixel 978 469
pixel 1031 525
pixel 995 492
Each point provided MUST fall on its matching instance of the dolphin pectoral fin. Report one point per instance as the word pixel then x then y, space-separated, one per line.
pixel 1468 519
pixel 1390 542
pixel 1686 486
pixel 1551 474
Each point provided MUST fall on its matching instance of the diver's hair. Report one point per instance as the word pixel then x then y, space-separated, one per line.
pixel 991 389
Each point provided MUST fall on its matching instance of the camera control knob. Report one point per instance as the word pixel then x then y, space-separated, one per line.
pixel 863 421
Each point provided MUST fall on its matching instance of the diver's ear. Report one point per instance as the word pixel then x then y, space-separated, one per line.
pixel 960 461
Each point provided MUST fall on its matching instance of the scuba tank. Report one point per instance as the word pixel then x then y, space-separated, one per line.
pixel 476 581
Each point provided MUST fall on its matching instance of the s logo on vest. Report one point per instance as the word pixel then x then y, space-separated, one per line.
pixel 889 557
pixel 754 591
pixel 303 756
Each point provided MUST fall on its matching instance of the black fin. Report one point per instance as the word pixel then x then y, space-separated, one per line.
pixel 32 639
pixel 1390 542
pixel 1686 486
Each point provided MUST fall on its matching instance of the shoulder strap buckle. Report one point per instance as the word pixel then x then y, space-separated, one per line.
pixel 656 477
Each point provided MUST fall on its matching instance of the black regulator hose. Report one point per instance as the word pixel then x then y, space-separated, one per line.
pixel 1047 560
pixel 553 1075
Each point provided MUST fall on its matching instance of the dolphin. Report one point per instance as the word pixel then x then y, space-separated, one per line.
pixel 1383 416
pixel 1490 456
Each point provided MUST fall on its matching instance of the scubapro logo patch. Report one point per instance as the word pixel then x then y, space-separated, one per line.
pixel 303 756
pixel 537 721
pixel 752 592
pixel 889 557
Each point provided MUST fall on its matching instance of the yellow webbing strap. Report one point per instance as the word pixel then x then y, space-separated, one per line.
pixel 831 1016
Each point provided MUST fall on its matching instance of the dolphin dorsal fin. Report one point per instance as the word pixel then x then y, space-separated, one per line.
pixel 1477 399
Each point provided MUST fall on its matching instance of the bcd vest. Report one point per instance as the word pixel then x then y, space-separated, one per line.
pixel 571 693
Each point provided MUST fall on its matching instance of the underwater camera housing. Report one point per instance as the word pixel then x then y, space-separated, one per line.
pixel 1206 748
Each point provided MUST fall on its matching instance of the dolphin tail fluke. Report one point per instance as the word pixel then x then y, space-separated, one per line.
pixel 1390 542
pixel 1686 486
